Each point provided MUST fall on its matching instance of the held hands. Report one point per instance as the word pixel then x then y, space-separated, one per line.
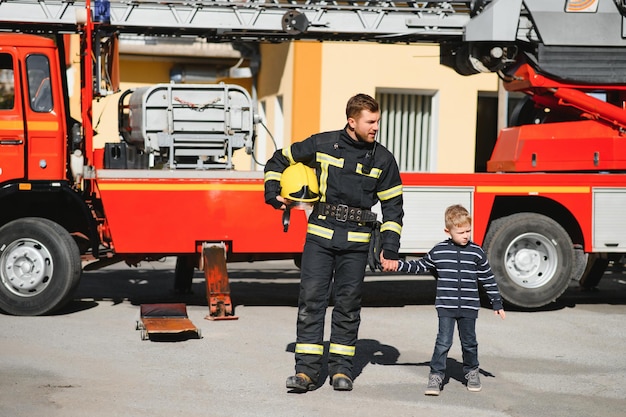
pixel 500 313
pixel 389 265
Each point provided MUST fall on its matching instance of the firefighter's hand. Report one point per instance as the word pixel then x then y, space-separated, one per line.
pixel 277 202
pixel 284 201
pixel 389 265
pixel 500 313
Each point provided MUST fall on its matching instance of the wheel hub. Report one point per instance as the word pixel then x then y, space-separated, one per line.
pixel 526 261
pixel 26 267
pixel 531 260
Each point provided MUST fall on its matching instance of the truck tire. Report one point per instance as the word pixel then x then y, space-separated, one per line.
pixel 40 267
pixel 531 256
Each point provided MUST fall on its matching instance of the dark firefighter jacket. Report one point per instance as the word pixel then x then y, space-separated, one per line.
pixel 349 172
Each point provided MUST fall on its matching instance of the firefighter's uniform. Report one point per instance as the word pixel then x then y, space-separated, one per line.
pixel 353 176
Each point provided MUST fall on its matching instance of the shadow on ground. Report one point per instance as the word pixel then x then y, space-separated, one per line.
pixel 369 351
pixel 257 284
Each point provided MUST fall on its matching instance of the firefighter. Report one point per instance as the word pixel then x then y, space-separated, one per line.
pixel 353 172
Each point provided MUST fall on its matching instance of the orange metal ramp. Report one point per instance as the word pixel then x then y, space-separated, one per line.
pixel 165 319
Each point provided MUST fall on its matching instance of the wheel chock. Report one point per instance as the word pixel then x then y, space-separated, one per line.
pixel 165 319
pixel 217 285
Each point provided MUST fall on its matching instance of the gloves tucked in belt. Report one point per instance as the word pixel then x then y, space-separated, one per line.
pixel 342 213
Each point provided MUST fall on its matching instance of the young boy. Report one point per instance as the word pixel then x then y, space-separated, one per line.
pixel 459 265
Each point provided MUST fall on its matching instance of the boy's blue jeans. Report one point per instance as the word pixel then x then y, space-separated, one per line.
pixel 467 334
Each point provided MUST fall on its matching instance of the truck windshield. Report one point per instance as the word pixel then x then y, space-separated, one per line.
pixel 39 91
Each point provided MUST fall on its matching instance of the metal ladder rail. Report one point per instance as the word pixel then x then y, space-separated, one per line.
pixel 383 21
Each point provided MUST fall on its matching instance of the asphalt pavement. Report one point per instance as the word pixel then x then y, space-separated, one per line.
pixel 567 359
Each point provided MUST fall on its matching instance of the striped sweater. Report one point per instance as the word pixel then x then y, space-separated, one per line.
pixel 459 270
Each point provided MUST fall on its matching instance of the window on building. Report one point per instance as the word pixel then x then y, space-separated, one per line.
pixel 279 122
pixel 406 128
pixel 7 82
pixel 262 151
pixel 487 124
pixel 270 132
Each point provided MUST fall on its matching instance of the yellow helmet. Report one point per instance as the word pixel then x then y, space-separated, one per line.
pixel 298 183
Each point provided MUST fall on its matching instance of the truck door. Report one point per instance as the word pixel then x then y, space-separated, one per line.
pixel 12 140
pixel 44 114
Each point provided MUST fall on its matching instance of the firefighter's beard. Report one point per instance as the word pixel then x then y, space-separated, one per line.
pixel 360 138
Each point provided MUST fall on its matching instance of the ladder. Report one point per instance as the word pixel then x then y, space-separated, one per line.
pixel 388 21
pixel 244 20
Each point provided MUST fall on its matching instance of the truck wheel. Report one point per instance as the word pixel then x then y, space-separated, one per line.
pixel 40 267
pixel 531 256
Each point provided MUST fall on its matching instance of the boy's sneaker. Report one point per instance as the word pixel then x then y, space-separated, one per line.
pixel 434 385
pixel 473 380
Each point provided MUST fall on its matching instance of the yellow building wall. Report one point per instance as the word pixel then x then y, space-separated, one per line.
pixel 314 81
pixel 134 74
pixel 306 87
pixel 349 69
pixel 346 69
pixel 293 72
pixel 275 79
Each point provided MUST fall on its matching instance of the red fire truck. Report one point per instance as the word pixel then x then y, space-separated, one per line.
pixel 548 211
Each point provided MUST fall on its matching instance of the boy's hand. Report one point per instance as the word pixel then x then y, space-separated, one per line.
pixel 389 265
pixel 500 313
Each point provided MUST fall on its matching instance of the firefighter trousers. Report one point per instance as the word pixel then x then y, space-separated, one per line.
pixel 321 268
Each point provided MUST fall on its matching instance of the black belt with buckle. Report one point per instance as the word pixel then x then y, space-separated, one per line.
pixel 343 213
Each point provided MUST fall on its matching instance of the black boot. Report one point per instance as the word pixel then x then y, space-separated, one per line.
pixel 300 382
pixel 341 382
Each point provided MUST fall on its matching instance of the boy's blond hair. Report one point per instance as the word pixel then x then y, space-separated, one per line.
pixel 457 216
